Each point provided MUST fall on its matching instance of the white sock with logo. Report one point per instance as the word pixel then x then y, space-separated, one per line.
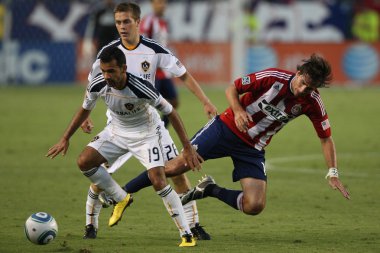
pixel 191 213
pixel 103 180
pixel 175 209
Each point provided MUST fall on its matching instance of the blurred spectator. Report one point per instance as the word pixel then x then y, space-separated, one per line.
pixel 366 22
pixel 251 24
pixel 104 30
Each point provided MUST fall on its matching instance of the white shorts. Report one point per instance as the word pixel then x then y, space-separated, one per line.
pixel 151 149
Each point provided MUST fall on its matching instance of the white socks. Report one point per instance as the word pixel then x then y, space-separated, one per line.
pixel 93 207
pixel 175 209
pixel 103 180
pixel 191 213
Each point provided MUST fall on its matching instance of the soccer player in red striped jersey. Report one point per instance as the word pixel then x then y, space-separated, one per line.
pixel 261 104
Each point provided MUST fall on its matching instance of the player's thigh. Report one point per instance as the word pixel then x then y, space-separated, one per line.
pixel 109 145
pixel 158 178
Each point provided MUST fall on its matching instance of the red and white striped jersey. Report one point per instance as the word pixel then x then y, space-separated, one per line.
pixel 156 28
pixel 269 100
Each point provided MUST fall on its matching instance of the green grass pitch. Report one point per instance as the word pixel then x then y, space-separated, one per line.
pixel 302 214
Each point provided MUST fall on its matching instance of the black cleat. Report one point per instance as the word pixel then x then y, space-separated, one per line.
pixel 198 192
pixel 200 233
pixel 90 232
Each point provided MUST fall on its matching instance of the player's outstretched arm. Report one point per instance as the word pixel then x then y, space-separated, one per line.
pixel 328 148
pixel 193 86
pixel 63 144
pixel 335 183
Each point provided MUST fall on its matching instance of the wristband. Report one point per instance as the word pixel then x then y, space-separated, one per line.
pixel 333 172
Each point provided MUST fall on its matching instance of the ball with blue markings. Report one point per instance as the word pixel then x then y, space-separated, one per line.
pixel 41 228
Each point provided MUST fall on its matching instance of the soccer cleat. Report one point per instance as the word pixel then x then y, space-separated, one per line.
pixel 106 200
pixel 200 233
pixel 188 241
pixel 198 191
pixel 90 232
pixel 119 209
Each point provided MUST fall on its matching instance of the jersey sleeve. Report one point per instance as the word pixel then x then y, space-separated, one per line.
pixel 163 105
pixel 171 64
pixel 96 82
pixel 246 83
pixel 89 101
pixel 95 71
pixel 318 116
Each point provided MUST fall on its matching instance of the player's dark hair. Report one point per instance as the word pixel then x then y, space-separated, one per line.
pixel 318 70
pixel 112 53
pixel 131 7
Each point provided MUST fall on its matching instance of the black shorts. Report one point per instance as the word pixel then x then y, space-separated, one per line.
pixel 216 140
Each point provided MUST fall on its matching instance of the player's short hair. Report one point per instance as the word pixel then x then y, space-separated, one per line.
pixel 318 69
pixel 112 53
pixel 131 7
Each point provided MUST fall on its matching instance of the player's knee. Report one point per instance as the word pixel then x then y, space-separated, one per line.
pixel 253 207
pixel 83 163
pixel 158 183
pixel 157 177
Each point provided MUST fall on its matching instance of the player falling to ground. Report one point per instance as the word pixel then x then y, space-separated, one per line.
pixel 270 99
pixel 144 56
pixel 136 127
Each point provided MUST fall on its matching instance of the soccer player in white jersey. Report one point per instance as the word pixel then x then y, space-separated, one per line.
pixel 270 99
pixel 155 26
pixel 143 57
pixel 135 127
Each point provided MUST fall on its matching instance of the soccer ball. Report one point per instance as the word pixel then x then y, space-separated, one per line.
pixel 41 228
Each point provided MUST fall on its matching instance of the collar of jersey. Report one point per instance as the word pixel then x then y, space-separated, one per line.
pixel 132 48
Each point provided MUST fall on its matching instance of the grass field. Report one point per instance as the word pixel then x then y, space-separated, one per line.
pixel 302 214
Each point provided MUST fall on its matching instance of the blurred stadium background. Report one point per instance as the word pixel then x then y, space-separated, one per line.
pixel 47 41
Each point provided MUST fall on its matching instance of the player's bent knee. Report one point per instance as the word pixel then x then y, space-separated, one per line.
pixel 83 163
pixel 158 183
pixel 253 208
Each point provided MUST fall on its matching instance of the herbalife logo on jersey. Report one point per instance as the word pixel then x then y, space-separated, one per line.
pixel 273 112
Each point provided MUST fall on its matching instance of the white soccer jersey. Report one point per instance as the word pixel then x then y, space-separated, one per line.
pixel 144 60
pixel 129 108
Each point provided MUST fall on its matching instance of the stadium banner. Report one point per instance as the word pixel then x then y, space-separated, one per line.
pixel 36 63
pixel 353 63
pixel 48 20
pixel 209 63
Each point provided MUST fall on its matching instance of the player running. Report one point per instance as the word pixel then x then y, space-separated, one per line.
pixel 144 56
pixel 136 127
